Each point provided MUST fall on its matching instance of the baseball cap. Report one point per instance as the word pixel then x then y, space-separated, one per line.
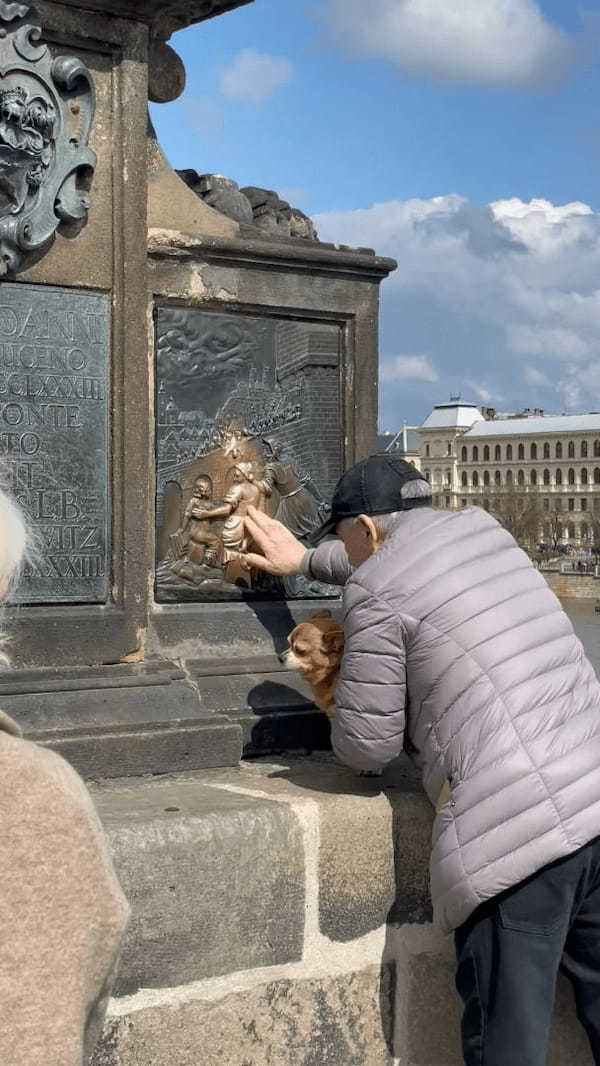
pixel 373 486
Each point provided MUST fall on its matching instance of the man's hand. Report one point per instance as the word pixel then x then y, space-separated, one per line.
pixel 282 553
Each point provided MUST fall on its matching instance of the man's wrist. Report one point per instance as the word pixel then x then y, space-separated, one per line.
pixel 305 568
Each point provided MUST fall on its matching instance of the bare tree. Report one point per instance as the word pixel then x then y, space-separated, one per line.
pixel 554 527
pixel 517 509
pixel 594 524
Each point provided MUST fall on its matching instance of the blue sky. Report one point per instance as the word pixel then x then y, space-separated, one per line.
pixel 466 146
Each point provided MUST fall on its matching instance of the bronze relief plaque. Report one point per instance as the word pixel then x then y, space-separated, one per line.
pixel 247 413
pixel 54 360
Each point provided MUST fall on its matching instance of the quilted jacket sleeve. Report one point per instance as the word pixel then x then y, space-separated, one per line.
pixel 327 563
pixel 368 729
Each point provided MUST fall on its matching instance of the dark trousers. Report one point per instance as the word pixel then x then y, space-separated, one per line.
pixel 509 953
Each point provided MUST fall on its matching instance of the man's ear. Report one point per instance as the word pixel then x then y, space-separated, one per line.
pixel 370 529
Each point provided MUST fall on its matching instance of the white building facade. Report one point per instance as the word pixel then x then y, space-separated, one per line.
pixel 469 459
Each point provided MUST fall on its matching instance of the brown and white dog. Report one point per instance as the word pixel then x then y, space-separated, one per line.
pixel 315 651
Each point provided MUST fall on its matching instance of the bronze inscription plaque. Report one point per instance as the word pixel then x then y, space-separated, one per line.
pixel 54 359
pixel 248 413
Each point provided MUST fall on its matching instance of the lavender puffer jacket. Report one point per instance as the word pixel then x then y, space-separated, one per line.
pixel 457 650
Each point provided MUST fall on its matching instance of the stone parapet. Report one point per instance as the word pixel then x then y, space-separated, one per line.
pixel 573 586
pixel 281 917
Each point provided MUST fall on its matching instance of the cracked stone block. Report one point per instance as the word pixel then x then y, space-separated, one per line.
pixel 334 1021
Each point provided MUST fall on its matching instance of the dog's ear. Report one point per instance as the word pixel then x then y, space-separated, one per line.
pixel 334 640
pixel 320 614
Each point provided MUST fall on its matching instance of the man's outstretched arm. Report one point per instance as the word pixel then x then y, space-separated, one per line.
pixel 283 555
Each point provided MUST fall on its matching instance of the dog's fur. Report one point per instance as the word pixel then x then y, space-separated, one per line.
pixel 315 650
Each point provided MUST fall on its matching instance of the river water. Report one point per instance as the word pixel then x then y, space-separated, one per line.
pixel 586 624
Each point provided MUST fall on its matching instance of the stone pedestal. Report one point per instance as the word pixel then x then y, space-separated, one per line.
pixel 119 664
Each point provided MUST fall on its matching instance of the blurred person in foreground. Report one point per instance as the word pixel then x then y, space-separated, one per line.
pixel 457 652
pixel 63 912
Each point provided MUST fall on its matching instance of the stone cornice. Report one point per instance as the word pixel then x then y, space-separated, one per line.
pixel 163 17
pixel 297 255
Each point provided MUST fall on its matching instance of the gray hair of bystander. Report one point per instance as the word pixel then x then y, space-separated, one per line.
pixel 16 545
pixel 412 490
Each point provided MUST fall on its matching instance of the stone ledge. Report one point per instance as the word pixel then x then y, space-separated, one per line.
pixel 294 254
pixel 217 863
pixel 280 916
pixel 215 880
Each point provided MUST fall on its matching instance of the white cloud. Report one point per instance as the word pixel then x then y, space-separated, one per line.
pixel 482 392
pixel 408 368
pixel 490 42
pixel 571 390
pixel 504 298
pixel 255 76
pixel 533 376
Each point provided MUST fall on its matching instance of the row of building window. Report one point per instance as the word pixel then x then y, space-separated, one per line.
pixel 520 450
pixel 533 477
pixel 585 477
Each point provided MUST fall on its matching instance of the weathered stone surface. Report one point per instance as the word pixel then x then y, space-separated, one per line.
pixel 356 868
pixel 262 208
pixel 374 839
pixel 364 885
pixel 412 822
pixel 215 880
pixel 205 743
pixel 220 193
pixel 173 209
pixel 222 879
pixel 166 73
pixel 163 16
pixel 335 1021
pixel 119 721
pixel 568 1043
pixel 433 1011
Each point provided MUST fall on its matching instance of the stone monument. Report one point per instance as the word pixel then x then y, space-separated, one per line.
pixel 173 348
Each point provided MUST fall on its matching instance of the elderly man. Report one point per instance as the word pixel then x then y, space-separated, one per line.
pixel 458 652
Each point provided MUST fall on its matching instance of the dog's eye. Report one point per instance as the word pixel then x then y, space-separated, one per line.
pixel 300 649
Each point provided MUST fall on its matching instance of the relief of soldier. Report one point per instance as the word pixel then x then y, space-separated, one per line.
pixel 208 547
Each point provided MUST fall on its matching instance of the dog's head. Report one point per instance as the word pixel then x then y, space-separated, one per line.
pixel 315 646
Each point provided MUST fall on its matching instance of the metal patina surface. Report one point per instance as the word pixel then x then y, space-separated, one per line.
pixel 248 413
pixel 54 439
pixel 46 111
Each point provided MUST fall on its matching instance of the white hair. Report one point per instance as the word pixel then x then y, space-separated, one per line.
pixel 16 546
pixel 418 489
pixel 15 540
pixel 415 490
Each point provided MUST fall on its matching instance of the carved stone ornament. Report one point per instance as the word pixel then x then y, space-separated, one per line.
pixel 47 107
